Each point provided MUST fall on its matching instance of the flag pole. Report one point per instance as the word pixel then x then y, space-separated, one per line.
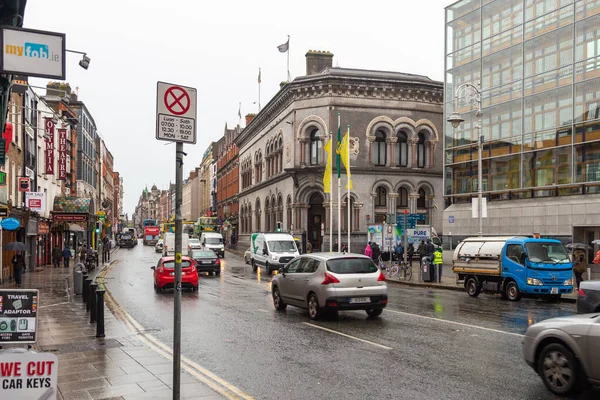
pixel 330 155
pixel 288 60
pixel 348 198
pixel 339 190
pixel 259 79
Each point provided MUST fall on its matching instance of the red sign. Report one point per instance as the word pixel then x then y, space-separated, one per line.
pixel 7 135
pixel 49 153
pixel 35 203
pixel 177 100
pixel 62 154
pixel 43 228
pixel 69 217
pixel 24 184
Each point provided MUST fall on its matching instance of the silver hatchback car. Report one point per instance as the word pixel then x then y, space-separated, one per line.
pixel 324 282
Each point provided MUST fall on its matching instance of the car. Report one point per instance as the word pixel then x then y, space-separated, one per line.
pixel 158 247
pixel 194 243
pixel 206 261
pixel 588 299
pixel 248 256
pixel 564 352
pixel 329 282
pixel 164 274
pixel 128 241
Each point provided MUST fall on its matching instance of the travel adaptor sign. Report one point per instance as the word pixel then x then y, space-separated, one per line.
pixel 27 375
pixel 18 315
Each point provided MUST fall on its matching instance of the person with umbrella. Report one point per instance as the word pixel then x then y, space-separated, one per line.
pixel 579 264
pixel 18 262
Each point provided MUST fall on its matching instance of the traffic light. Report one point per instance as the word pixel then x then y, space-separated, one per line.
pixel 98 227
pixel 279 227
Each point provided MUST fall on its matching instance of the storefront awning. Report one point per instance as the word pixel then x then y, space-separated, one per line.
pixel 82 205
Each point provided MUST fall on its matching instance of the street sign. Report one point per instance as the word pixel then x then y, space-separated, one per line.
pixel 175 113
pixel 2 178
pixel 451 219
pixel 18 315
pixel 29 375
pixel 24 184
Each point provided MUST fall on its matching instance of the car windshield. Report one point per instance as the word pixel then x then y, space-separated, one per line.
pixel 125 237
pixel 540 252
pixel 214 240
pixel 149 237
pixel 203 254
pixel 351 265
pixel 282 245
pixel 171 264
pixel 194 241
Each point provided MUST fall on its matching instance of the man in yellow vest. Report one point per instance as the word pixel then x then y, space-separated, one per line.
pixel 438 261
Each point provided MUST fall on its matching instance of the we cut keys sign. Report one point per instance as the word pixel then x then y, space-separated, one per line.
pixel 175 113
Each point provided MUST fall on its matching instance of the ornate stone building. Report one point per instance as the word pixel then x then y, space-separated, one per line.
pixel 395 121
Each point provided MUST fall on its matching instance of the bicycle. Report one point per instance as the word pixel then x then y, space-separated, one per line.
pixel 388 271
pixel 405 271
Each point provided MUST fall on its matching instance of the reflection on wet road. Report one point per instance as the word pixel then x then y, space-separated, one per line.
pixel 230 328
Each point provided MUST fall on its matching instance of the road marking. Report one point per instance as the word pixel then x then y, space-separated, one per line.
pixel 454 322
pixel 202 374
pixel 348 336
pixel 260 309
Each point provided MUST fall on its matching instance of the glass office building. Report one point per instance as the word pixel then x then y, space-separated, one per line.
pixel 538 65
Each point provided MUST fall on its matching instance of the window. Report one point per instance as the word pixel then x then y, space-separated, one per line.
pixel 292 267
pixel 403 198
pixel 514 253
pixel 316 147
pixel 421 201
pixel 258 215
pixel 381 198
pixel 310 265
pixel 421 150
pixel 401 150
pixel 379 153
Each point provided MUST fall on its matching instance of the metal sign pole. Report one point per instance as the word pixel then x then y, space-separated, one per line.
pixel 177 292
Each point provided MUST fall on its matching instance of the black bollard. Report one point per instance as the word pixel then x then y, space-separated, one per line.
pixel 88 304
pixel 100 313
pixel 86 285
pixel 92 302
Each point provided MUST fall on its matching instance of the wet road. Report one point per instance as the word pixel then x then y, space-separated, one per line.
pixel 428 344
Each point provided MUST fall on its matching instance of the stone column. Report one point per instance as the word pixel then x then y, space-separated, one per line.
pixel 412 149
pixel 373 196
pixel 392 200
pixel 357 207
pixel 391 161
pixel 371 140
pixel 412 202
pixel 303 148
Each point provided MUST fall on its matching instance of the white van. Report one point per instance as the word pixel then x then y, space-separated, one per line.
pixel 169 244
pixel 213 241
pixel 272 250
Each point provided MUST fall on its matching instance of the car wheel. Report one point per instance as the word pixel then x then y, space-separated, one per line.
pixel 375 312
pixel 194 289
pixel 253 265
pixel 156 288
pixel 277 302
pixel 511 291
pixel 473 288
pixel 314 312
pixel 559 370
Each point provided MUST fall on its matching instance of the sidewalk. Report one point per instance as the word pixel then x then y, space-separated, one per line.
pixel 119 366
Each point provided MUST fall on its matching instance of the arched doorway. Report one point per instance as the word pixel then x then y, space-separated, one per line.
pixel 316 215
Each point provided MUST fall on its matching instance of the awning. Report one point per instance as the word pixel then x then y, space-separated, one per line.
pixel 76 228
pixel 67 204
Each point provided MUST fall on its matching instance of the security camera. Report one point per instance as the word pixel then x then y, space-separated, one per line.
pixel 85 62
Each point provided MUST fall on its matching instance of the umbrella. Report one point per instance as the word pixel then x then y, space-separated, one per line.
pixel 577 246
pixel 15 246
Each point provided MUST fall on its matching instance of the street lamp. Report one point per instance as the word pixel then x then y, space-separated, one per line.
pixel 471 94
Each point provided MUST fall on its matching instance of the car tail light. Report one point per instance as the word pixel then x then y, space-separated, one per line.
pixel 218 261
pixel 381 277
pixel 329 279
pixel 384 301
pixel 581 293
pixel 332 304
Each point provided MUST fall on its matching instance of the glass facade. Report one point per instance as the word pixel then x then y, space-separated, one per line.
pixel 538 64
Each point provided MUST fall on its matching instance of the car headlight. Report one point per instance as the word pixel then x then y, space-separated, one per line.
pixel 569 282
pixel 274 258
pixel 534 282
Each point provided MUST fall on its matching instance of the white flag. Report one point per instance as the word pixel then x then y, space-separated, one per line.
pixel 284 47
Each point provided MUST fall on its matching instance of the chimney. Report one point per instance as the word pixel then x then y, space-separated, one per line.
pixel 249 118
pixel 317 61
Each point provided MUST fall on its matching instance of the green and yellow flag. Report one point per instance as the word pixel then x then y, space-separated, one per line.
pixel 344 153
pixel 327 175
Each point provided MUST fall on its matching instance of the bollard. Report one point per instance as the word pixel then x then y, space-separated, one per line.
pixel 92 301
pixel 100 313
pixel 89 296
pixel 86 283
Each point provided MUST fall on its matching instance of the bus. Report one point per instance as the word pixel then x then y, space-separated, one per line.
pixel 169 227
pixel 207 224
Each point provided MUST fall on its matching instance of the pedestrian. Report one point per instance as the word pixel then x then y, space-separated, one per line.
pixel 308 247
pixel 66 255
pixel 56 255
pixel 422 249
pixel 400 251
pixel 376 252
pixel 430 249
pixel 438 261
pixel 82 253
pixel 18 262
pixel 335 246
pixel 369 250
pixel 579 265
pixel 409 252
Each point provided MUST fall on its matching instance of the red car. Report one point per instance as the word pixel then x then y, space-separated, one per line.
pixel 164 274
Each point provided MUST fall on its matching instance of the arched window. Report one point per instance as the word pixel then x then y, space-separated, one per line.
pixel 381 198
pixel 421 202
pixel 258 215
pixel 267 215
pixel 249 219
pixel 279 215
pixel 421 151
pixel 316 147
pixel 401 150
pixel 379 153
pixel 402 198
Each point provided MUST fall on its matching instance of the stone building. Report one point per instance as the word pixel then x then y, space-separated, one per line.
pixel 396 120
pixel 228 180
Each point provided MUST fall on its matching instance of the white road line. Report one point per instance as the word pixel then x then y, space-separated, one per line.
pixel 260 309
pixel 454 322
pixel 348 336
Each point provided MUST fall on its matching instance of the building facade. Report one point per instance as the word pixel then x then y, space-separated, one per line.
pixel 87 152
pixel 538 64
pixel 228 180
pixel 396 127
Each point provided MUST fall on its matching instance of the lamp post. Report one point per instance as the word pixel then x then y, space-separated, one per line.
pixel 471 94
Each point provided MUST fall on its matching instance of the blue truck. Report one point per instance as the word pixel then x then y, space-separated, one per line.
pixel 514 266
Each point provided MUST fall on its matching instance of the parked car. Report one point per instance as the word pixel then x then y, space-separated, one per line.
pixel 588 299
pixel 193 244
pixel 248 255
pixel 158 247
pixel 164 274
pixel 564 352
pixel 324 282
pixel 127 240
pixel 206 261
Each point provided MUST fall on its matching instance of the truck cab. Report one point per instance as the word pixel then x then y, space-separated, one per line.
pixel 514 266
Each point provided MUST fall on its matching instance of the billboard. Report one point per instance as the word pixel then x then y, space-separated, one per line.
pixel 32 53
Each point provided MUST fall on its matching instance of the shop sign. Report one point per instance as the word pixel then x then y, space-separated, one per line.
pixel 62 154
pixel 10 224
pixel 18 315
pixel 43 228
pixel 36 201
pixel 69 217
pixel 29 375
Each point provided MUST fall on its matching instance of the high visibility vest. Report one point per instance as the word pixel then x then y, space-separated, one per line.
pixel 438 257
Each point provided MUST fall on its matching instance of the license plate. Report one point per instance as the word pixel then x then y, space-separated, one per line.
pixel 554 290
pixel 354 300
pixel 206 262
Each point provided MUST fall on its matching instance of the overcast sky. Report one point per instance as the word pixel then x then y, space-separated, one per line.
pixel 217 47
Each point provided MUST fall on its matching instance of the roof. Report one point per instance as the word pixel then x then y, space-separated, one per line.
pixel 520 239
pixel 368 74
pixel 329 256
